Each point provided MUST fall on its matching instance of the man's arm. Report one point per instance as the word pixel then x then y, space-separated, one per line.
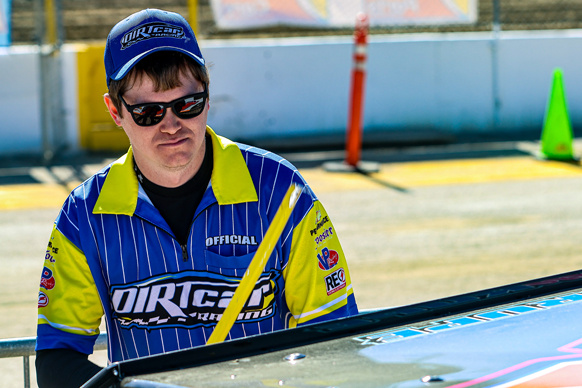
pixel 317 281
pixel 69 316
pixel 63 368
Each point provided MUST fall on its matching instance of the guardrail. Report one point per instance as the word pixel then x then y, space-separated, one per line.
pixel 24 347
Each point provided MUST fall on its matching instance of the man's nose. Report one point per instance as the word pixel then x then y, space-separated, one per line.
pixel 170 123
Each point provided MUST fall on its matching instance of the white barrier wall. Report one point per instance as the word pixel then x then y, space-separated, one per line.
pixel 300 86
pixel 20 127
pixel 19 88
pixel 443 82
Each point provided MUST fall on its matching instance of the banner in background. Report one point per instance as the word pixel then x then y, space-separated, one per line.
pixel 4 22
pixel 245 14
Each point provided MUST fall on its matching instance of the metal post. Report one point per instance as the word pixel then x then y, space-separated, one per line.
pixel 50 39
pixel 26 367
pixel 495 64
pixel 24 347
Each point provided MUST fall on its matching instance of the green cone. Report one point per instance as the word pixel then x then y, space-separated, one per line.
pixel 556 142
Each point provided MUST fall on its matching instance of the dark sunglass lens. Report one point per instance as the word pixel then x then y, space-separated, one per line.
pixel 189 107
pixel 148 114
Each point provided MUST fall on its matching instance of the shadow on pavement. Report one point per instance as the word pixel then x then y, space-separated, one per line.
pixel 306 152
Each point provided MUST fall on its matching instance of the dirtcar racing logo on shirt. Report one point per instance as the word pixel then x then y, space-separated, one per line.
pixel 151 30
pixel 188 299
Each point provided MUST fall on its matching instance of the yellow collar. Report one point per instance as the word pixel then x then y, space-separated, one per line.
pixel 231 181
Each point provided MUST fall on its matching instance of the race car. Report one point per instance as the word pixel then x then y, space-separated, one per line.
pixel 520 335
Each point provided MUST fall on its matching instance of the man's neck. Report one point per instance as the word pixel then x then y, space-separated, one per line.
pixel 171 177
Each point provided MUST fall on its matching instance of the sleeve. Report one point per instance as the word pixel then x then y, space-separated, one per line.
pixel 69 307
pixel 63 368
pixel 317 280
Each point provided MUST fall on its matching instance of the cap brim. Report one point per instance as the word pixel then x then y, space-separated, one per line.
pixel 131 63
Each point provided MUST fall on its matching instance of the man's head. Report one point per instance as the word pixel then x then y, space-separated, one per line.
pixel 158 93
pixel 154 43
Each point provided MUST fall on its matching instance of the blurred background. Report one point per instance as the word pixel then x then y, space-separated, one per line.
pixel 83 20
pixel 436 70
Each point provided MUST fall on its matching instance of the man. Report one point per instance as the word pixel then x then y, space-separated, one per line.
pixel 158 241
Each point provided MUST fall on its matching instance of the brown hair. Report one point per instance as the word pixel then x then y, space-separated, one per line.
pixel 163 68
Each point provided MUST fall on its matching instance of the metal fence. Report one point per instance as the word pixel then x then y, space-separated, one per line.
pixel 24 347
pixel 92 20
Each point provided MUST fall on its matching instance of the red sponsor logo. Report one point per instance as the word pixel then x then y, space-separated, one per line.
pixel 43 299
pixel 47 281
pixel 327 259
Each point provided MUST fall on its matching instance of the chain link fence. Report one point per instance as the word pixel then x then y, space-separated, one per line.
pixel 91 20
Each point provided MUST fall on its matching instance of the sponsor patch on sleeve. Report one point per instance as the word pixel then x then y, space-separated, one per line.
pixel 335 281
pixel 327 258
pixel 47 281
pixel 43 299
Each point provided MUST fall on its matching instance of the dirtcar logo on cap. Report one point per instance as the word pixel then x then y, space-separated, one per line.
pixel 151 30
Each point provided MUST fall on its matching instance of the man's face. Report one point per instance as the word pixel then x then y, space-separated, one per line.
pixel 174 147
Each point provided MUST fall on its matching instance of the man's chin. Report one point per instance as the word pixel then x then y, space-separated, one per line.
pixel 179 161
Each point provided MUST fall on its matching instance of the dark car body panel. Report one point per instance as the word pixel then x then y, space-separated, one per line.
pixel 520 335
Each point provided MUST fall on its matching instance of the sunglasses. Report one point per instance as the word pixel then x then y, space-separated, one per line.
pixel 153 113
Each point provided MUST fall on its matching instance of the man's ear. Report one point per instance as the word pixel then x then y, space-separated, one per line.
pixel 112 109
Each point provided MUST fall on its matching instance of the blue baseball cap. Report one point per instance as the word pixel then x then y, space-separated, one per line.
pixel 146 32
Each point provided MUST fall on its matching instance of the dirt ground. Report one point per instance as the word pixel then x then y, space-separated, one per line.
pixel 413 232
